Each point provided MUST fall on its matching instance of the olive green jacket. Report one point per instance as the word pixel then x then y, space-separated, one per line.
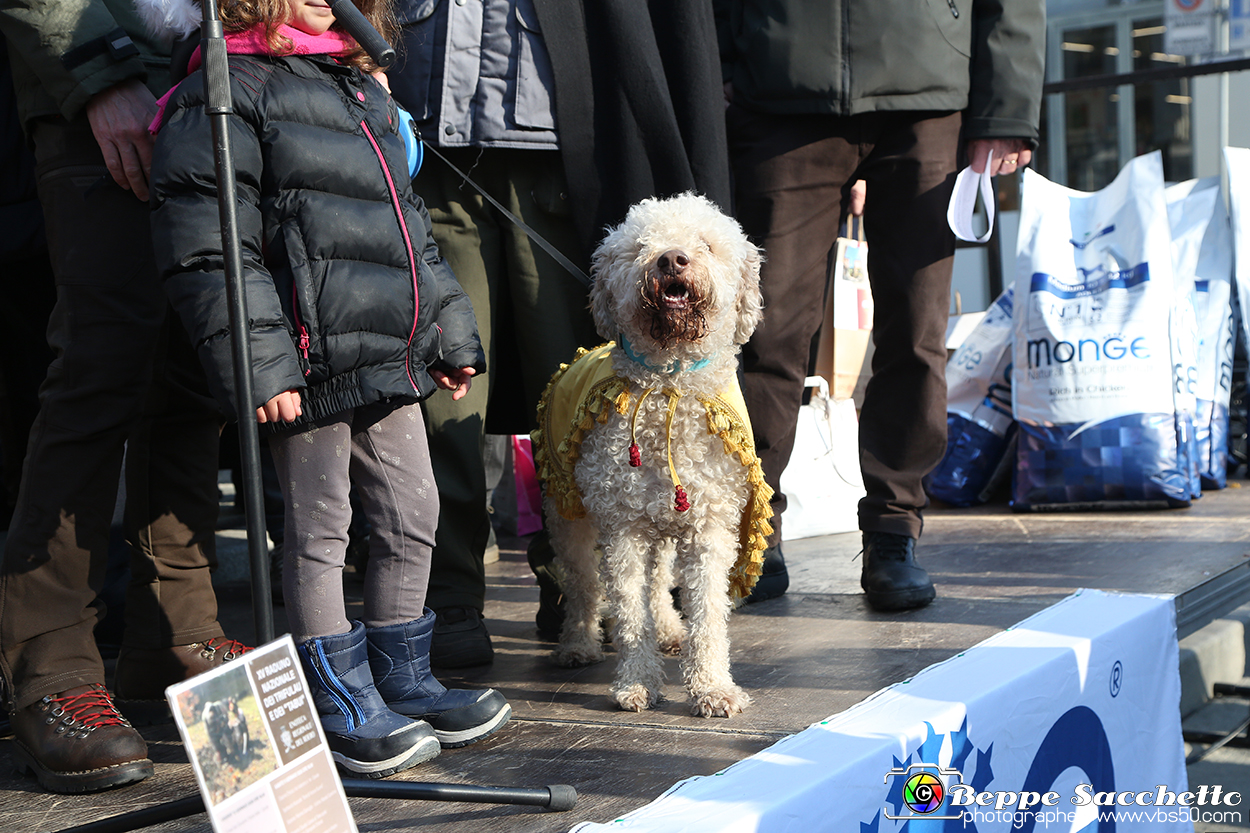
pixel 846 57
pixel 65 51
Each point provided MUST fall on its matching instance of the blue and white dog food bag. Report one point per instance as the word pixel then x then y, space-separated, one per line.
pixel 1092 382
pixel 1188 214
pixel 1202 262
pixel 978 408
pixel 1237 163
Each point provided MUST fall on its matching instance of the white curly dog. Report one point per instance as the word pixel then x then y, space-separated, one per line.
pixel 647 456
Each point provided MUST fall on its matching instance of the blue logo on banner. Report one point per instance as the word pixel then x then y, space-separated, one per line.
pixel 1117 677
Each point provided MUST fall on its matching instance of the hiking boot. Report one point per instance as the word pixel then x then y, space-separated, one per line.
pixel 399 657
pixel 143 674
pixel 365 737
pixel 774 581
pixel 77 741
pixel 460 639
pixel 891 578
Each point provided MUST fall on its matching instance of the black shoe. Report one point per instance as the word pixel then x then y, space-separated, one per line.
pixel 550 615
pixel 774 581
pixel 891 578
pixel 460 639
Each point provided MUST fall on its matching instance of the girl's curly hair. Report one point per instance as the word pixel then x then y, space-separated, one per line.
pixel 238 15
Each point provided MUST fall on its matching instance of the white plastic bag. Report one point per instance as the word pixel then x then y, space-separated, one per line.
pixel 822 481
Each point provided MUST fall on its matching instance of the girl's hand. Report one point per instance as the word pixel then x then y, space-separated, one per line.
pixel 458 382
pixel 284 407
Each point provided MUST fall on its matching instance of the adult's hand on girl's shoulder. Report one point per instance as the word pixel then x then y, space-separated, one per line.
pixel 119 117
pixel 284 407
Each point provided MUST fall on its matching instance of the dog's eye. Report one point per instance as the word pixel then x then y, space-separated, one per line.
pixel 708 246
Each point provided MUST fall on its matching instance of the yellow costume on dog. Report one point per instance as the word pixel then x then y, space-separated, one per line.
pixel 588 391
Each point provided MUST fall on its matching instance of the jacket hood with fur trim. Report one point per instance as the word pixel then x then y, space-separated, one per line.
pixel 170 20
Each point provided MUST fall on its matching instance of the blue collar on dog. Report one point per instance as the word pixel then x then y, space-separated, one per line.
pixel 672 367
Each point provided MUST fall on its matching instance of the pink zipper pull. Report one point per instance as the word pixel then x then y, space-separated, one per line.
pixel 304 341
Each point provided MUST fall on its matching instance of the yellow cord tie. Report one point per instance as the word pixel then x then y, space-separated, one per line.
pixel 635 456
pixel 680 500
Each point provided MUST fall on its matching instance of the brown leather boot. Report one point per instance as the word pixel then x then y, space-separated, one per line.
pixel 143 674
pixel 77 742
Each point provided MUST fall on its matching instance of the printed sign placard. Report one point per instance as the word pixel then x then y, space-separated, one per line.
pixel 256 745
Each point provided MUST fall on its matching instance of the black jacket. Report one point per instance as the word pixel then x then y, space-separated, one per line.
pixel 348 298
pixel 639 106
pixel 846 57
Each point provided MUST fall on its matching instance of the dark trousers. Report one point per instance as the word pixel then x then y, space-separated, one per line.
pixel 111 338
pixel 792 179
pixel 531 315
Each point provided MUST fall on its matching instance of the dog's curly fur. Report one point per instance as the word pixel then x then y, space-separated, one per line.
pixel 679 281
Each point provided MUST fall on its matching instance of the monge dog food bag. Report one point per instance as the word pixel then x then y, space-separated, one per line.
pixel 1092 378
pixel 978 409
pixel 1186 220
pixel 1202 262
pixel 1237 161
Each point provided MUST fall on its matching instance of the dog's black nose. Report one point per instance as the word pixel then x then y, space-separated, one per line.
pixel 673 262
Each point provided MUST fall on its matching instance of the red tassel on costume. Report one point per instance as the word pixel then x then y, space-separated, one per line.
pixel 682 503
pixel 635 456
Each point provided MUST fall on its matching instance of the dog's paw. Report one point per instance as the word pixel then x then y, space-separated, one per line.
pixel 636 698
pixel 575 656
pixel 725 703
pixel 670 643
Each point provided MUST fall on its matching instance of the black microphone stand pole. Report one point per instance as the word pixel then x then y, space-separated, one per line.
pixel 218 106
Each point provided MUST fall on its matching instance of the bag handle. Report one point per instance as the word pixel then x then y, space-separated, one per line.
pixel 855 227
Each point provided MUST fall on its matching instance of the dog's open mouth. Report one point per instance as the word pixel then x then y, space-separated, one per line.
pixel 676 294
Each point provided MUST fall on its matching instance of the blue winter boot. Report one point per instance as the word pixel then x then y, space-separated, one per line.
pixel 365 737
pixel 399 656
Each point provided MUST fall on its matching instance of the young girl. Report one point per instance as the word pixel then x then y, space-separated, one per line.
pixel 353 319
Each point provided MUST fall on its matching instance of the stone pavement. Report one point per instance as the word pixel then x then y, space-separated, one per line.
pixel 803 657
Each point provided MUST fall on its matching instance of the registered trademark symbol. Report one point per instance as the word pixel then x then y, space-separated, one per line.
pixel 1117 677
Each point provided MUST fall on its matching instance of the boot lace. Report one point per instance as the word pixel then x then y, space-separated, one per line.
pixel 84 712
pixel 887 546
pixel 230 648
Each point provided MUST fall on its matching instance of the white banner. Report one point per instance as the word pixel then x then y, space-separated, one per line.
pixel 1063 723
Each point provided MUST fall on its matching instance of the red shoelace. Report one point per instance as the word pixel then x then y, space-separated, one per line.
pixel 93 708
pixel 232 647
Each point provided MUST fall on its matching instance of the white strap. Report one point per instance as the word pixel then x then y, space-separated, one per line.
pixel 819 383
pixel 964 202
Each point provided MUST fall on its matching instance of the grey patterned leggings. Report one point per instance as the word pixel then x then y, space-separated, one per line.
pixel 382 450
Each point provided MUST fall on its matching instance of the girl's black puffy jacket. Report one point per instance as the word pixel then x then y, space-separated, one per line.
pixel 348 299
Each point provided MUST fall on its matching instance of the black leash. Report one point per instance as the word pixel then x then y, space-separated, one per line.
pixel 559 257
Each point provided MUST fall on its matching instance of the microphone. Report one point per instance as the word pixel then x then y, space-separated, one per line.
pixel 346 13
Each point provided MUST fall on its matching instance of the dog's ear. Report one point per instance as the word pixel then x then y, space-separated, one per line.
pixel 601 300
pixel 750 303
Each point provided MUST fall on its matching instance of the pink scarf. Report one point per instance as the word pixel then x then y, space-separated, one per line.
pixel 252 42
